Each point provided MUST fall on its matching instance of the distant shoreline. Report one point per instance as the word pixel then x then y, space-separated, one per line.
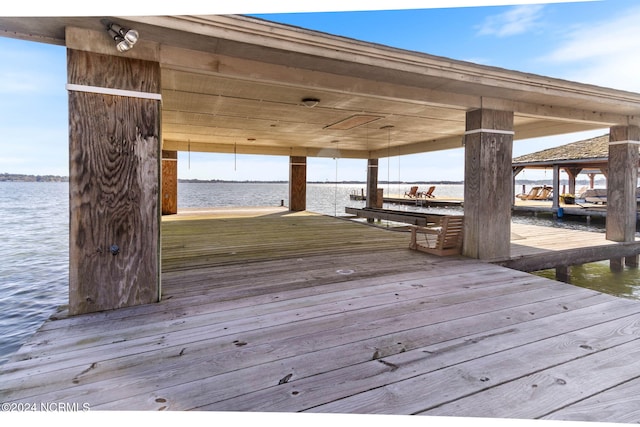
pixel 14 177
pixel 8 177
pixel 220 181
pixel 11 177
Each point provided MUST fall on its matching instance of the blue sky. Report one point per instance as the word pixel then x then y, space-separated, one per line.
pixel 595 42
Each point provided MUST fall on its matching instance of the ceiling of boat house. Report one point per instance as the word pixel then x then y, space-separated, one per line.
pixel 239 84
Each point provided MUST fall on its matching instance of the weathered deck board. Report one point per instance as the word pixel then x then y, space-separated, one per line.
pixel 619 404
pixel 371 373
pixel 273 313
pixel 320 346
pixel 190 244
pixel 374 328
pixel 485 374
pixel 559 379
pixel 527 239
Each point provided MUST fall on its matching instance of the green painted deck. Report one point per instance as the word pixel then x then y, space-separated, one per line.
pixel 265 310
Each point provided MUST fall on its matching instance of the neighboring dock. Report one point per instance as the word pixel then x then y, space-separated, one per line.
pixel 582 211
pixel 579 211
pixel 424 202
pixel 535 248
pixel 267 310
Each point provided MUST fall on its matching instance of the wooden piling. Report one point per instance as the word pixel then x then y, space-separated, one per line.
pixel 114 181
pixel 488 189
pixel 297 183
pixel 169 182
pixel 622 183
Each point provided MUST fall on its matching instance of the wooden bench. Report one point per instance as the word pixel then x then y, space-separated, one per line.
pixel 407 217
pixel 444 238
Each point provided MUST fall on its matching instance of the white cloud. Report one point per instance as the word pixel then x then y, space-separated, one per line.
pixel 517 20
pixel 611 37
pixel 602 53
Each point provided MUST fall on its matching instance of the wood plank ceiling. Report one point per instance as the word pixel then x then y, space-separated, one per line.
pixel 237 84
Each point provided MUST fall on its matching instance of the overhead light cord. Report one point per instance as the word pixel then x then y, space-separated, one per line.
pixel 388 161
pixel 335 190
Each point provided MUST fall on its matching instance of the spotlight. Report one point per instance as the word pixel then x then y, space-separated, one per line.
pixel 125 38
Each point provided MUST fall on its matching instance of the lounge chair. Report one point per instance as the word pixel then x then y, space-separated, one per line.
pixel 429 193
pixel 532 194
pixel 443 239
pixel 412 193
pixel 581 191
pixel 595 195
pixel 545 193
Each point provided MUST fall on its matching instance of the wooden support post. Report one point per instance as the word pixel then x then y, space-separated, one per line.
pixel 297 183
pixel 488 189
pixel 622 183
pixel 573 174
pixel 616 264
pixel 372 183
pixel 556 188
pixel 114 181
pixel 563 274
pixel 169 182
pixel 516 171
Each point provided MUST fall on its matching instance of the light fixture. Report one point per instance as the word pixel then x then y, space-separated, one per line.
pixel 125 38
pixel 310 102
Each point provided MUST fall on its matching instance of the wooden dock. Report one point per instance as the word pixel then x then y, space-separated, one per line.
pixel 536 248
pixel 425 202
pixel 582 211
pixel 416 201
pixel 269 311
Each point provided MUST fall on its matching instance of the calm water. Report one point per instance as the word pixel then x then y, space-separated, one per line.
pixel 34 257
pixel 34 221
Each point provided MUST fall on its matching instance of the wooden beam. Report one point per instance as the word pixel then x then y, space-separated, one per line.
pixel 227 146
pixel 488 189
pixel 573 173
pixel 569 257
pixel 114 169
pixel 406 84
pixel 99 42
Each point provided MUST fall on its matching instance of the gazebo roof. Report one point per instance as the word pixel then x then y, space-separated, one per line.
pixel 586 152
